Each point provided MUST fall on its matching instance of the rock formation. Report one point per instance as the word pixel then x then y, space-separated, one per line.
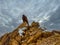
pixel 32 35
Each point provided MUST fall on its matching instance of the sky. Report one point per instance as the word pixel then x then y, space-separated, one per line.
pixel 46 12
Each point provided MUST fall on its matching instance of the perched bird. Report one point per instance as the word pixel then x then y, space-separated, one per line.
pixel 24 18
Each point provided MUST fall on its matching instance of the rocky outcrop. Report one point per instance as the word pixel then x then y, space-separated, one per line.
pixel 32 35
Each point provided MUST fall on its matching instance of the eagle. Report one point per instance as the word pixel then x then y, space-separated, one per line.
pixel 24 18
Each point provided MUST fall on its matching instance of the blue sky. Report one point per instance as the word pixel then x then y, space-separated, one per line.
pixel 46 12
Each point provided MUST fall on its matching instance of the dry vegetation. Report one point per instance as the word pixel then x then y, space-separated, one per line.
pixel 32 35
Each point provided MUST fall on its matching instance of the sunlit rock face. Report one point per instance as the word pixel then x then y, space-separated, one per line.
pixel 46 12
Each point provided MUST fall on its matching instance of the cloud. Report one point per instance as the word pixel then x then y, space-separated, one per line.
pixel 43 11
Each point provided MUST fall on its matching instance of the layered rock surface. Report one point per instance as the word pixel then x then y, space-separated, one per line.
pixel 32 35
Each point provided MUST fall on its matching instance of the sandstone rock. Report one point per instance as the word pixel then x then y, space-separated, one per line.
pixel 13 42
pixel 32 35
